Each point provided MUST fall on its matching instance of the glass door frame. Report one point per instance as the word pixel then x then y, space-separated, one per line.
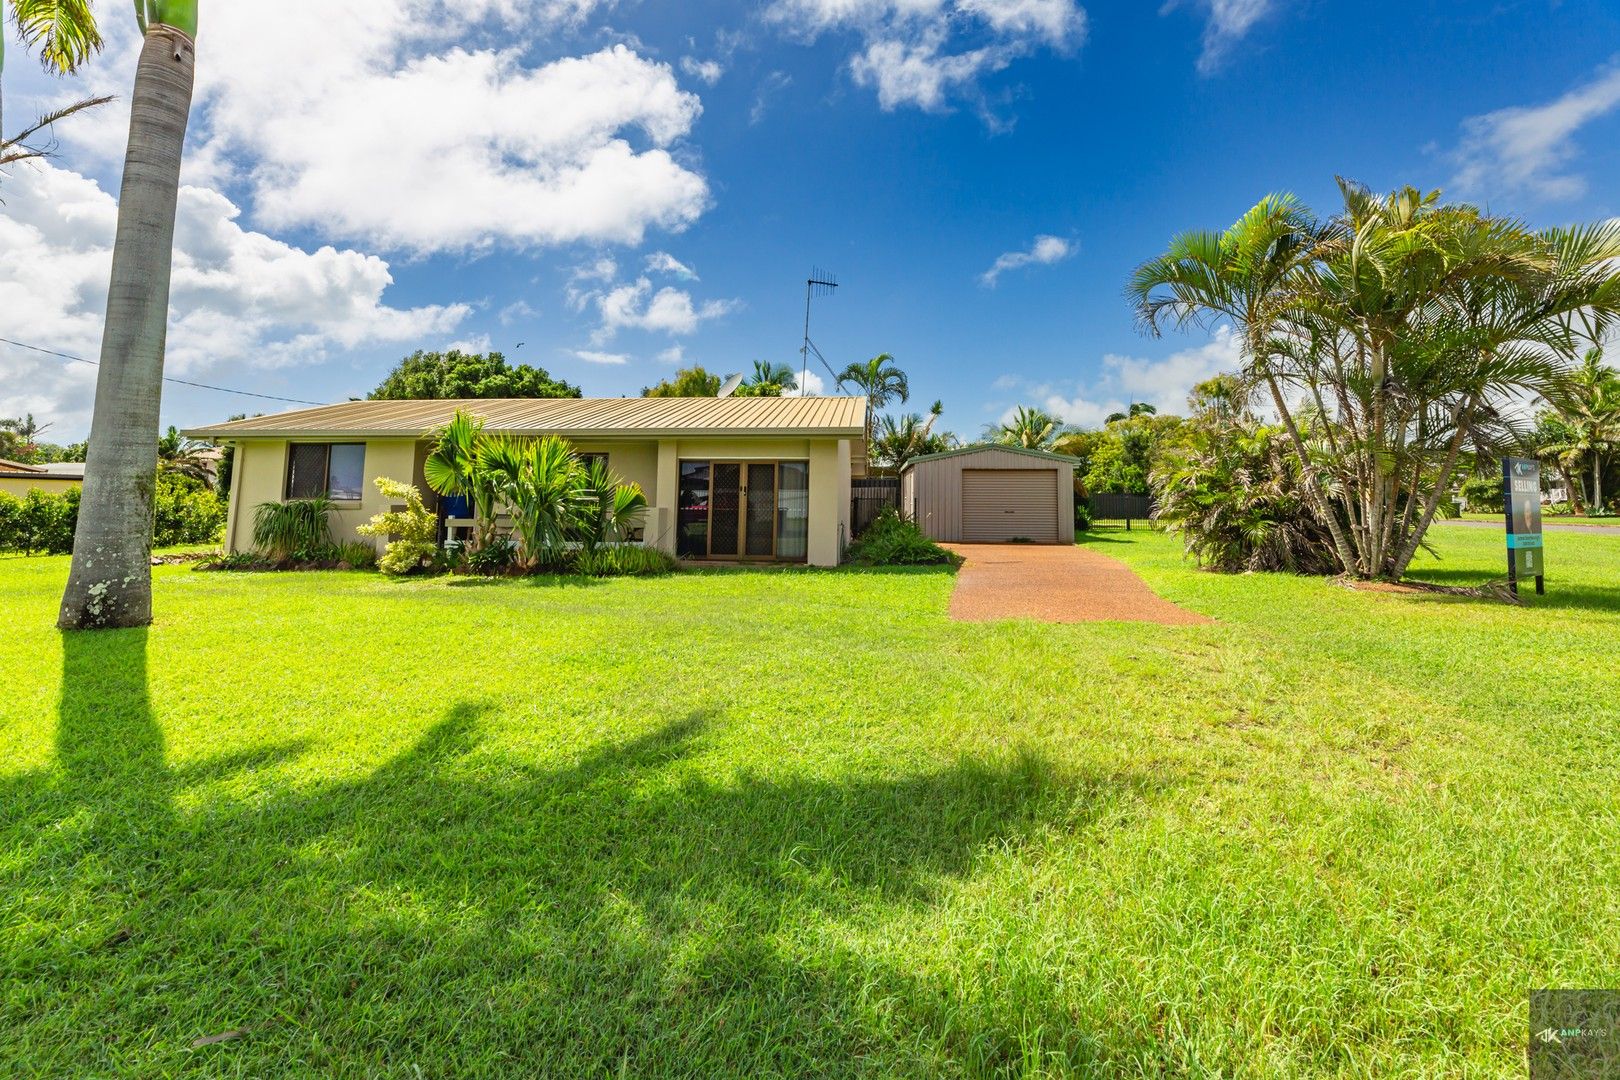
pixel 773 514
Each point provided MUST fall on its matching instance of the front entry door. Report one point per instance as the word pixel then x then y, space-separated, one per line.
pixel 742 510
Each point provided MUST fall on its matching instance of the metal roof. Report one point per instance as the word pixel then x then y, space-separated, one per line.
pixel 979 448
pixel 577 417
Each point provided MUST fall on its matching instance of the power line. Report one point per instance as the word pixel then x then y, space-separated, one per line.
pixel 166 378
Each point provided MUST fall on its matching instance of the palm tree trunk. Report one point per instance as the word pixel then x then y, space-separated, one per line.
pixel 1409 550
pixel 1597 482
pixel 1313 483
pixel 111 580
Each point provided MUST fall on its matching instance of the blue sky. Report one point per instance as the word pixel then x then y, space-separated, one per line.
pixel 616 185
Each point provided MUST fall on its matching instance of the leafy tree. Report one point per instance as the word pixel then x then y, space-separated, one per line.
pixel 688 382
pixel 768 380
pixel 455 374
pixel 1124 453
pixel 110 582
pixel 19 439
pixel 1029 427
pixel 1407 327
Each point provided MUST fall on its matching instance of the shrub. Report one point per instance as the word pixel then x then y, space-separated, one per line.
pixel 1082 515
pixel 355 555
pixel 39 523
pixel 416 529
pixel 296 530
pixel 892 540
pixel 185 511
pixel 623 560
pixel 1235 495
pixel 496 557
pixel 1482 494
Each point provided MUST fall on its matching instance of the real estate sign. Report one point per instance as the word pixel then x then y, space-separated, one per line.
pixel 1521 500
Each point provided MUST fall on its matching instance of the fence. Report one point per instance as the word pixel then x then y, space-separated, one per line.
pixel 1117 507
pixel 867 497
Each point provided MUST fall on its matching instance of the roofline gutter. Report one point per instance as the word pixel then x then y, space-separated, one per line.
pixel 329 434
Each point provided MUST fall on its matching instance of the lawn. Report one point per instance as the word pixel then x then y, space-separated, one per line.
pixel 799 824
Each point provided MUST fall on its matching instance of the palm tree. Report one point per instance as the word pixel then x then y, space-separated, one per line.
pixel 65 34
pixel 1407 326
pixel 768 380
pixel 110 583
pixel 881 381
pixel 185 457
pixel 910 436
pixel 1138 408
pixel 1589 406
pixel 1241 276
pixel 452 468
pixel 1029 428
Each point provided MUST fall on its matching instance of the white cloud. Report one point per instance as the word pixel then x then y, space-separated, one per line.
pixel 478 343
pixel 239 299
pixel 592 357
pixel 1227 23
pixel 708 71
pixel 1164 384
pixel 675 354
pixel 1043 252
pixel 810 385
pixel 662 262
pixel 1529 148
pixel 638 306
pixel 772 85
pixel 518 309
pixel 924 52
pixel 422 125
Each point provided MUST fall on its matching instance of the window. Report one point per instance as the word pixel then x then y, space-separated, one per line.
pixel 589 460
pixel 335 470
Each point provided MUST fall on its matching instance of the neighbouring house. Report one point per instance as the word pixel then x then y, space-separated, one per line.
pixel 764 479
pixel 991 494
pixel 52 478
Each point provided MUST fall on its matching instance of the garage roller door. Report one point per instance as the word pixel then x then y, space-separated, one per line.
pixel 1010 504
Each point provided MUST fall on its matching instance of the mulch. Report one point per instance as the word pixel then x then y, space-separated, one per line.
pixel 1056 583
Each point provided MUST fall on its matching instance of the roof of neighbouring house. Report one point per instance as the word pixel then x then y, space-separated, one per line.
pixel 979 448
pixel 54 470
pixel 574 417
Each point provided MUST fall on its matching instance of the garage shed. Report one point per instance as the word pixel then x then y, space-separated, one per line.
pixel 991 494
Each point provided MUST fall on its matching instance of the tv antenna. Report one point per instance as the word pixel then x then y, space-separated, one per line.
pixel 819 283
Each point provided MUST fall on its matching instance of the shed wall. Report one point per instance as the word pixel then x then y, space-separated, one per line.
pixel 931 491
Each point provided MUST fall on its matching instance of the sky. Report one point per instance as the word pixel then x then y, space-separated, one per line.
pixel 612 188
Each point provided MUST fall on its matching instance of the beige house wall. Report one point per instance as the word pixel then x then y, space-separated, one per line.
pixel 50 485
pixel 261 475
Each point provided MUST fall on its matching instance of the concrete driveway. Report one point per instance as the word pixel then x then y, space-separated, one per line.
pixel 1055 583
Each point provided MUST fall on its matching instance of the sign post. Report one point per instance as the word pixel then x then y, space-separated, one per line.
pixel 1521 501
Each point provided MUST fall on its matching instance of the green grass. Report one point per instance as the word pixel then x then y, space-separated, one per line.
pixel 800 824
pixel 1551 519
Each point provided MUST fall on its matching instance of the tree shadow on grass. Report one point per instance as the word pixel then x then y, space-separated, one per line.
pixel 631 910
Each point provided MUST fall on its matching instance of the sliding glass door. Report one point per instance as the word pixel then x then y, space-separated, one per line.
pixel 744 510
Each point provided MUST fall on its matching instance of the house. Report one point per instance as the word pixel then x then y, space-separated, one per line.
pixel 764 479
pixel 990 494
pixel 52 478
